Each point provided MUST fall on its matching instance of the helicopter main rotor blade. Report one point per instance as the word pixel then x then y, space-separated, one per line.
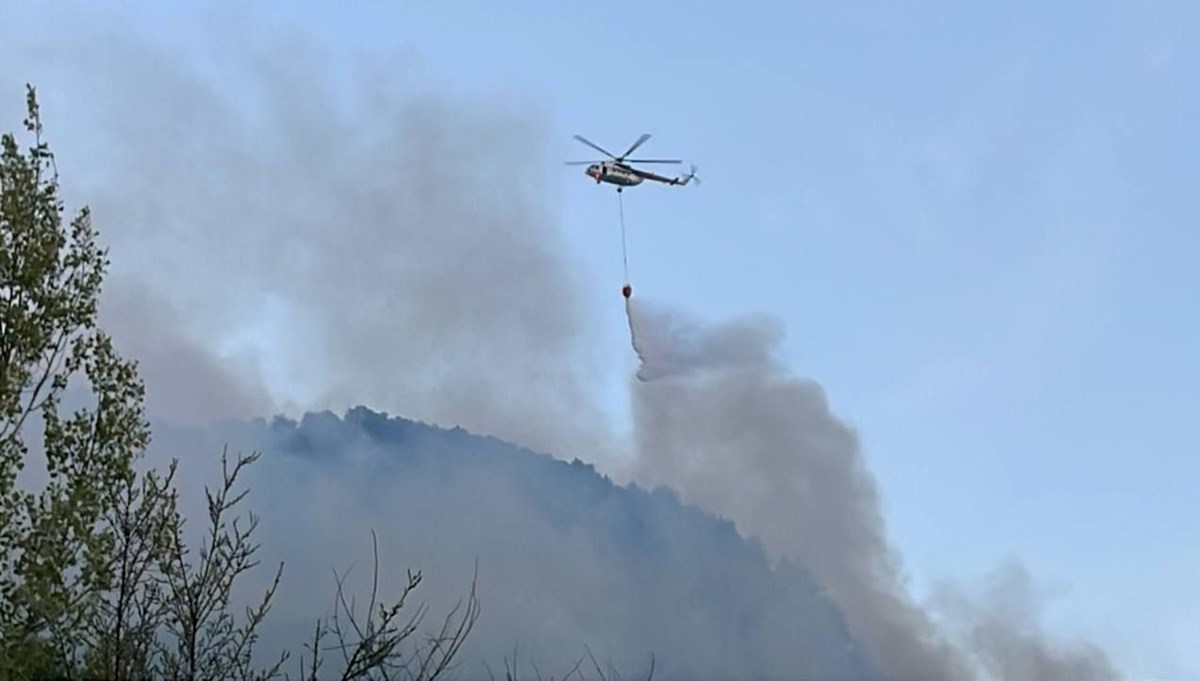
pixel 580 163
pixel 641 140
pixel 650 160
pixel 588 142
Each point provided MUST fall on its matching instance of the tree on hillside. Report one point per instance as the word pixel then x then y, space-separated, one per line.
pixel 96 579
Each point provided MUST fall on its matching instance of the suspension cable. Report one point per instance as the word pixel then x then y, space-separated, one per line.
pixel 624 245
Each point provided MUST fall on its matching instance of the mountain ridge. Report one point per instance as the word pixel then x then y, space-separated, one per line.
pixel 669 578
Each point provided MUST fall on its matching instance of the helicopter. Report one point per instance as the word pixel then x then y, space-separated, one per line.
pixel 618 171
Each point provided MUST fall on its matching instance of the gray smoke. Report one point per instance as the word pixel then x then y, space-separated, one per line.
pixel 721 420
pixel 997 621
pixel 378 240
pixel 185 382
pixel 672 345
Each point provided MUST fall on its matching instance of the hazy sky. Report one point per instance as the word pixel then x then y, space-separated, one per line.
pixel 978 226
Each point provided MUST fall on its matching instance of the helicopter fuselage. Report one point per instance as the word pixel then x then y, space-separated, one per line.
pixel 613 174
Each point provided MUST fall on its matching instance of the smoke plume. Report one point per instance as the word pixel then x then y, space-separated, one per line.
pixel 355 240
pixel 721 420
pixel 997 621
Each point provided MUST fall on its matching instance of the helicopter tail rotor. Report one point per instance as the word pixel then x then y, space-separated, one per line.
pixel 691 177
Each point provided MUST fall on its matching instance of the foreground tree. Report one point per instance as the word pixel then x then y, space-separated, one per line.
pixel 96 579
pixel 56 551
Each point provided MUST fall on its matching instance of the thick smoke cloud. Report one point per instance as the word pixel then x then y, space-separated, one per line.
pixel 378 240
pixel 721 420
pixel 668 344
pixel 186 383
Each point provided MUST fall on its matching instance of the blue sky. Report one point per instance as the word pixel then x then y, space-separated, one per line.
pixel 978 222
